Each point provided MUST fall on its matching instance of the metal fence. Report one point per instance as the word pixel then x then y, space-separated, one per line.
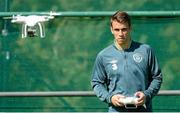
pixel 97 13
pixel 73 93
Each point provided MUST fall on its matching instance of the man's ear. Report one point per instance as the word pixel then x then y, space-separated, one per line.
pixel 111 29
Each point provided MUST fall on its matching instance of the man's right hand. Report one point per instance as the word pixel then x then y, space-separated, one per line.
pixel 116 100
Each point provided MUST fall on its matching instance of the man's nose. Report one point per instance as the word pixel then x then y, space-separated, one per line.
pixel 120 33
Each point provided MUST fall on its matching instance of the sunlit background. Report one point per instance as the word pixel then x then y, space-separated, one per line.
pixel 63 60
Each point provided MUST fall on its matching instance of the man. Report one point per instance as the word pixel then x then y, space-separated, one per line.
pixel 126 69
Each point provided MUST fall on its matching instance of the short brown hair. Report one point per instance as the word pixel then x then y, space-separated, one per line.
pixel 121 17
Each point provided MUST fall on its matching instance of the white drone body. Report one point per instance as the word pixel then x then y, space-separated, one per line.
pixel 32 23
pixel 30 20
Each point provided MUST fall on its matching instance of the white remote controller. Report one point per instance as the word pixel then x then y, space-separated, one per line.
pixel 129 102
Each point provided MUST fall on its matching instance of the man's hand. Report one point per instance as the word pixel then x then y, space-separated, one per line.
pixel 116 100
pixel 141 98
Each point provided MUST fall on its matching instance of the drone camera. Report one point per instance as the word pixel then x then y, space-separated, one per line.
pixel 31 32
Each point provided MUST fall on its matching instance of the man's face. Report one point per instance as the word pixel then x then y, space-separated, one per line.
pixel 121 32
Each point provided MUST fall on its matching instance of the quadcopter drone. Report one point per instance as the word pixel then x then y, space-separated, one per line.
pixel 32 25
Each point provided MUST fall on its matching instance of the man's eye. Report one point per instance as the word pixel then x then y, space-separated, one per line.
pixel 116 29
pixel 124 29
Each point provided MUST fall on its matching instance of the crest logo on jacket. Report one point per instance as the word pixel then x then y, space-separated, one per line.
pixel 137 57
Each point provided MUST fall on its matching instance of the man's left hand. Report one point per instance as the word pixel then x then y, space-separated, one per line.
pixel 141 98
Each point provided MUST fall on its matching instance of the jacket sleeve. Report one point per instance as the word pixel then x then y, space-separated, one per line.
pixel 98 81
pixel 155 76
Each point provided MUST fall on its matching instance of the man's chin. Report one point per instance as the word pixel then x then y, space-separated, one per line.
pixel 120 42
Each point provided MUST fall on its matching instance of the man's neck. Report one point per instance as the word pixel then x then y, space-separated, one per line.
pixel 124 46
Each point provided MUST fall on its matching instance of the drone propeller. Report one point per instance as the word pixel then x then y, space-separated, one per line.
pixel 6 18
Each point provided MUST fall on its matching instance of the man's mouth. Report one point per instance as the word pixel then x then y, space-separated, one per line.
pixel 121 38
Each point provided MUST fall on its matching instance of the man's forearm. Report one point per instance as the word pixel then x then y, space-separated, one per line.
pixel 102 93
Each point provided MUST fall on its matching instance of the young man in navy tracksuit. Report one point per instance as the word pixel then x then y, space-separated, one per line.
pixel 126 69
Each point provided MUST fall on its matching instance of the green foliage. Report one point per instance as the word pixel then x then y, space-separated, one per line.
pixel 63 60
pixel 93 5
